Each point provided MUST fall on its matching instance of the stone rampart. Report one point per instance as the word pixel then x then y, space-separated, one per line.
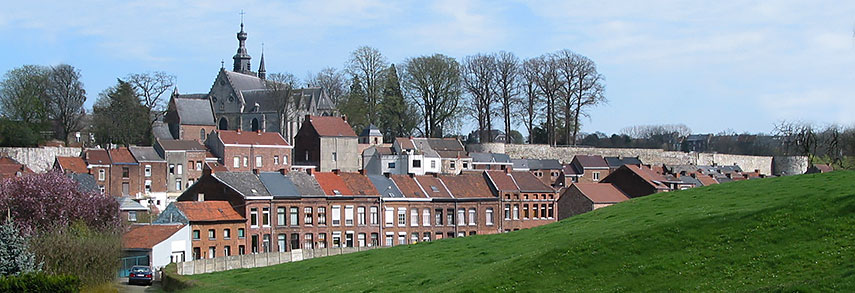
pixel 39 159
pixel 789 165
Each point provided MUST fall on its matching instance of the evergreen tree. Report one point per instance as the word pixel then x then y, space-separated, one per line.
pixel 119 117
pixel 15 255
pixel 397 117
pixel 355 107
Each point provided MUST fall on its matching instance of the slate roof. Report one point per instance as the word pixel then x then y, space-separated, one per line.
pixel 424 147
pixel 448 147
pixel 615 162
pixel 278 185
pixel 242 82
pixel 502 181
pixel 467 185
pixel 315 95
pixel 86 182
pixel 537 164
pixel 528 183
pixel 252 138
pixel 97 157
pixel 690 180
pixel 208 211
pixel 306 184
pixel 358 184
pixel 601 192
pixel 385 186
pixel 128 204
pixel 160 130
pixel 181 145
pixel 121 156
pixel 146 154
pixel 332 184
pixel 331 126
pixel 572 169
pixel 371 130
pixel 245 183
pixel 194 111
pixel 72 164
pixel 432 186
pixel 147 236
pixel 409 188
pixel 490 158
pixel 587 161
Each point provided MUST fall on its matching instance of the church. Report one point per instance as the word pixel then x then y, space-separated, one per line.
pixel 246 100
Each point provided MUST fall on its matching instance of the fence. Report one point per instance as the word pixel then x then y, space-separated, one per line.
pixel 218 264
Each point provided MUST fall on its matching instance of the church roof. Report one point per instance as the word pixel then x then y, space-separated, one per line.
pixel 194 110
pixel 242 82
pixel 371 130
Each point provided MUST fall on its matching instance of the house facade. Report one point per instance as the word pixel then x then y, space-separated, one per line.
pixel 581 198
pixel 526 201
pixel 327 143
pixel 216 229
pixel 248 151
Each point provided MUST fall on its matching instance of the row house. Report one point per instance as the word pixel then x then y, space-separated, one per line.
pixel 152 171
pixel 581 198
pixel 453 156
pixel 525 200
pixel 615 162
pixel 635 181
pixel 185 160
pixel 248 151
pixel 327 143
pixel 122 174
pixel 585 168
pixel 98 163
pixel 217 230
pixel 547 171
pixel 491 161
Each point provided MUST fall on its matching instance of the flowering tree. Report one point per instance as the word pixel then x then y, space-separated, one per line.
pixel 45 202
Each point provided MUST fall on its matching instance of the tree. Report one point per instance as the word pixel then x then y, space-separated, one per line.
pixel 281 86
pixel 65 96
pixel 330 80
pixel 366 65
pixel 477 74
pixel 433 83
pixel 355 107
pixel 549 83
pixel 152 89
pixel 530 110
pixel 23 94
pixel 15 255
pixel 396 113
pixel 507 80
pixel 118 117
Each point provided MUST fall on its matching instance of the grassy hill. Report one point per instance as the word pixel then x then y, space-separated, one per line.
pixel 791 233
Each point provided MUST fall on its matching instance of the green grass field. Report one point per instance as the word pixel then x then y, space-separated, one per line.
pixel 779 234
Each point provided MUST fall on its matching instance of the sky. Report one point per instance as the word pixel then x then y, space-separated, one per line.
pixel 736 66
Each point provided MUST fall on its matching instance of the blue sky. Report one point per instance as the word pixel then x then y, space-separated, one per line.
pixel 712 65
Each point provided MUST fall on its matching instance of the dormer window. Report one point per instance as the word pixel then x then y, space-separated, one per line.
pixel 336 192
pixel 434 189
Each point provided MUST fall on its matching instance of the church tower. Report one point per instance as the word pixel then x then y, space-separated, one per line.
pixel 262 72
pixel 242 57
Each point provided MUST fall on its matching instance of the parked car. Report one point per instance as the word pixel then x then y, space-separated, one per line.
pixel 140 275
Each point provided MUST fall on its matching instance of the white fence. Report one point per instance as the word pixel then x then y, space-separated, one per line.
pixel 218 264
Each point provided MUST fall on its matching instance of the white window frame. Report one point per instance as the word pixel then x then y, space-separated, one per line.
pixel 489 217
pixel 147 170
pixel 258 161
pixel 389 217
pixel 402 217
pixel 236 162
pixel 336 215
pixel 472 216
pixel 426 217
pixel 414 217
pixel 348 215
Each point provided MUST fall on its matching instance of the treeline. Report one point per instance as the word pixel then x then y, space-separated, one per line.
pixel 830 144
pixel 38 103
pixel 433 95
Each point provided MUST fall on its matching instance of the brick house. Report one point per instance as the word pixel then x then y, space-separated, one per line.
pixel 99 164
pixel 637 181
pixel 70 165
pixel 616 162
pixel 10 168
pixel 189 117
pixel 327 143
pixel 217 230
pixel 152 173
pixel 247 151
pixel 581 198
pixel 124 171
pixel 547 171
pixel 185 160
pixel 525 201
pixel 585 168
pixel 491 161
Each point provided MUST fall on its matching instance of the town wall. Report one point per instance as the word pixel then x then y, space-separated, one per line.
pixel 789 165
pixel 39 159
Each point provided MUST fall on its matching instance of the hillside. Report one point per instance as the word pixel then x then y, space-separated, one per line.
pixel 788 233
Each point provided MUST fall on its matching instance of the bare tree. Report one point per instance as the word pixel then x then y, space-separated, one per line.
pixel 530 110
pixel 433 83
pixel 507 80
pixel 66 96
pixel 366 65
pixel 478 72
pixel 331 80
pixel 281 87
pixel 549 84
pixel 152 89
pixel 582 88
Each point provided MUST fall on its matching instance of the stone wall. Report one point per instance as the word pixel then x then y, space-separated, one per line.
pixel 766 164
pixel 39 159
pixel 256 260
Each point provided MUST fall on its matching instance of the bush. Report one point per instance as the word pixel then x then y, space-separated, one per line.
pixel 95 257
pixel 39 282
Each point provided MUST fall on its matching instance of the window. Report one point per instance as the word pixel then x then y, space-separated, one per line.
pixel 295 241
pixel 414 238
pixel 489 217
pixel 322 215
pixel 132 216
pixel 280 216
pixel 198 165
pixel 507 212
pixel 334 156
pixel 525 211
pixel 148 186
pixel 126 172
pixel 227 251
pixel 241 233
pixel 178 184
pixel 241 250
pixel 534 211
pixel 295 217
pixel 461 217
pixel 196 235
pixel 257 161
pixel 265 217
pixel 179 169
pixel 336 239
pixel 360 216
pixel 432 164
pixel 197 253
pixel 236 162
pixel 190 182
pixel 212 251
pixel 417 163
pixel 246 161
pixel 285 160
pixel 348 215
pixel 402 217
pixel 322 240
pixel 426 237
pixel 550 211
pixel 426 217
pixel 360 241
pixel 452 165
pixel 280 241
pixel 253 217
pixel 516 212
pixel 414 217
pixel 596 176
pixel 212 234
pixel 449 217
pixel 265 243
pixel 437 214
pixel 275 160
pixel 542 211
pixel 307 216
pixel 472 216
pixel 227 233
pixel 202 131
pixel 101 176
pixel 336 215
pixel 391 165
pixel 402 238
pixel 147 170
pixel 389 239
pixel 374 239
pixel 388 218
pixel 308 241
pixel 374 216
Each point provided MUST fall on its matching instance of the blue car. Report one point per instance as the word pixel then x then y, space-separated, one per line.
pixel 140 275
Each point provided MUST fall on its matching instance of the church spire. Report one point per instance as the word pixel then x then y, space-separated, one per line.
pixel 242 57
pixel 262 72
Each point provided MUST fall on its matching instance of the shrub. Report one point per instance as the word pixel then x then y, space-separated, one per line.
pixel 15 255
pixel 95 257
pixel 39 282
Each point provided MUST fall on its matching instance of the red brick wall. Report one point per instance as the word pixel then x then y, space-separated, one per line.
pixel 158 176
pixel 532 201
pixel 203 243
pixel 135 184
pixel 572 203
pixel 250 153
pixel 191 132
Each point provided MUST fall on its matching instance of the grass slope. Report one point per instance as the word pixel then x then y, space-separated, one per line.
pixel 790 233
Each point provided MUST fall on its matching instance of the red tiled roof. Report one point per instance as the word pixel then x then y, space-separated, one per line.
pixel 408 186
pixel 330 183
pixel 121 156
pixel 216 167
pixel 97 157
pixel 587 161
pixel 502 181
pixel 358 183
pixel 252 138
pixel 527 182
pixel 406 143
pixel 706 180
pixel 648 175
pixel 147 236
pixel 467 185
pixel 11 170
pixel 331 126
pixel 432 186
pixel 7 161
pixel 823 168
pixel 601 192
pixel 72 164
pixel 208 211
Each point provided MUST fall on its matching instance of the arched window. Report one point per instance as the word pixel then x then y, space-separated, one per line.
pixel 224 124
pixel 202 134
pixel 254 124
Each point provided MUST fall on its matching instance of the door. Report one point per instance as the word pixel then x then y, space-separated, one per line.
pixel 125 188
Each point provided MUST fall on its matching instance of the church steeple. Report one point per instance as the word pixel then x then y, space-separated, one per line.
pixel 242 57
pixel 262 72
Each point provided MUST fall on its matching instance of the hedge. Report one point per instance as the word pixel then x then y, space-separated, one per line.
pixel 39 282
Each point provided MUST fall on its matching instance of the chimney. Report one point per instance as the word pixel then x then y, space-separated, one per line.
pixel 310 171
pixel 507 171
pixel 308 117
pixel 238 130
pixel 336 171
pixel 344 117
pixel 283 171
pixel 255 171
